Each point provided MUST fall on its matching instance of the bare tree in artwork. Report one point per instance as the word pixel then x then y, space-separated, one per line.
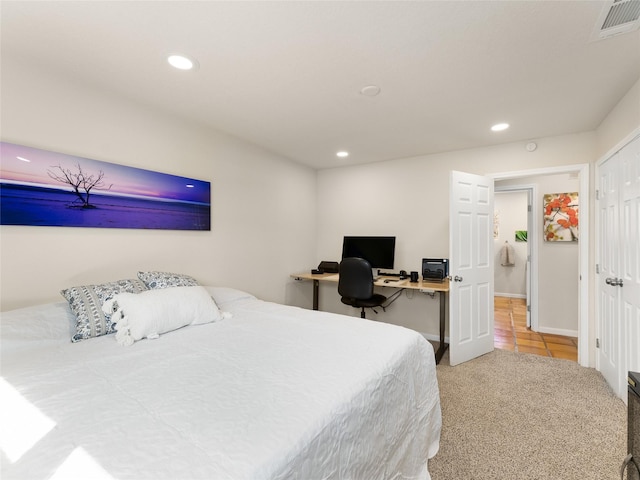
pixel 81 182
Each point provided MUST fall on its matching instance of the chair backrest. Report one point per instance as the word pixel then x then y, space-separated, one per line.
pixel 356 278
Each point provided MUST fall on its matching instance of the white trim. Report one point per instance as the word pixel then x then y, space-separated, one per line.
pixel 578 167
pixel 509 295
pixel 583 324
pixel 584 277
pixel 596 255
pixel 560 331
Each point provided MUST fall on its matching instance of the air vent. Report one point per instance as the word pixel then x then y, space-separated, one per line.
pixel 617 17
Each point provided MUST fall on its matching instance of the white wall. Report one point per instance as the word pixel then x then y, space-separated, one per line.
pixel 511 211
pixel 263 206
pixel 620 122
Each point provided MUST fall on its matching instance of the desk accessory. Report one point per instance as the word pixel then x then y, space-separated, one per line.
pixel 327 267
pixel 435 269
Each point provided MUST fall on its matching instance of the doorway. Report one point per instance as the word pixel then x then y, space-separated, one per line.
pixel 516 230
pixel 514 235
pixel 516 312
pixel 581 174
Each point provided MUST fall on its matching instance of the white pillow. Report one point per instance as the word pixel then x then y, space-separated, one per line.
pixel 225 295
pixel 154 312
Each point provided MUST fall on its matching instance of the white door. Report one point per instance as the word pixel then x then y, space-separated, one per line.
pixel 630 265
pixel 470 267
pixel 608 260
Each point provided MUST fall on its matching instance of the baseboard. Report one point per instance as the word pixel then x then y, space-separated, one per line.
pixel 559 331
pixel 509 295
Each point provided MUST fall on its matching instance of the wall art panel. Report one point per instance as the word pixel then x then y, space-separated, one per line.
pixel 39 187
pixel 561 217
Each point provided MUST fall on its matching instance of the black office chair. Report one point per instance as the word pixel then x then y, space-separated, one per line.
pixel 355 285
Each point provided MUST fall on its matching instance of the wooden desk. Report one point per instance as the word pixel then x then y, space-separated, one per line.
pixel 425 287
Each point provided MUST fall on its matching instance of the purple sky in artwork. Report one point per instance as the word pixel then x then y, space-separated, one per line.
pixel 29 165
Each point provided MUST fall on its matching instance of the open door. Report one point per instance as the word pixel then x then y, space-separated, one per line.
pixel 470 267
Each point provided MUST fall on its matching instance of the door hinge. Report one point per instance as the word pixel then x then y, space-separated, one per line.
pixel 597 343
pixel 529 308
pixel 597 194
pixel 597 268
pixel 529 208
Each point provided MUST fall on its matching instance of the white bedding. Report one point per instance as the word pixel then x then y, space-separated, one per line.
pixel 275 392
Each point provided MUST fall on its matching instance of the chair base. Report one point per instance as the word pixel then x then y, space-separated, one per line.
pixel 376 300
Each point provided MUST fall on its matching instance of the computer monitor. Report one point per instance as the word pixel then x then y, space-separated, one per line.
pixel 378 251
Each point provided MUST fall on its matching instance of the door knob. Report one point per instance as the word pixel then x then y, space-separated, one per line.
pixel 614 282
pixel 457 279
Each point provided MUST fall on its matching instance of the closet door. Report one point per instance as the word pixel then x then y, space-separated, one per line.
pixel 630 264
pixel 608 358
pixel 618 299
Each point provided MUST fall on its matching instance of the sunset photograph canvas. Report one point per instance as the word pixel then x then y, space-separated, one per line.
pixel 43 188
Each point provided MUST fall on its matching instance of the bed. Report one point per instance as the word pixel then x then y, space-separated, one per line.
pixel 273 392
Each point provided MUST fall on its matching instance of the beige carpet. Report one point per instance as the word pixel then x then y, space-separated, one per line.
pixel 519 416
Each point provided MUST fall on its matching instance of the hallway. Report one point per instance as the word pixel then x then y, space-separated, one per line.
pixel 511 333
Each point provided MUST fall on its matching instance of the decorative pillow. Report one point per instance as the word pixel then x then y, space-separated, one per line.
pixel 155 280
pixel 154 312
pixel 86 301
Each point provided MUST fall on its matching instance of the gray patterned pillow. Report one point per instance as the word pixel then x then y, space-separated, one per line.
pixel 86 302
pixel 155 280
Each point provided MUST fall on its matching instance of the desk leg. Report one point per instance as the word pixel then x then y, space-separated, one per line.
pixel 443 346
pixel 316 288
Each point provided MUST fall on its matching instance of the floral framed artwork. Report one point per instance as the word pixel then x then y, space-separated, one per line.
pixel 43 188
pixel 561 217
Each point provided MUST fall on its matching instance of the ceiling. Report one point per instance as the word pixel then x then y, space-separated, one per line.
pixel 287 76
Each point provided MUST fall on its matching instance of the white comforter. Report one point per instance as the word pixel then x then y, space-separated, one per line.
pixel 275 392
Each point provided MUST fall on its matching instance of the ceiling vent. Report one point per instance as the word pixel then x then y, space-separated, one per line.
pixel 617 17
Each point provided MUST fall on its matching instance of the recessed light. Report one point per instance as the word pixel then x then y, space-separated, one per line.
pixel 498 127
pixel 342 154
pixel 182 62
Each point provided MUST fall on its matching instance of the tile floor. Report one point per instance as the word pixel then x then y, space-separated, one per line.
pixel 511 332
